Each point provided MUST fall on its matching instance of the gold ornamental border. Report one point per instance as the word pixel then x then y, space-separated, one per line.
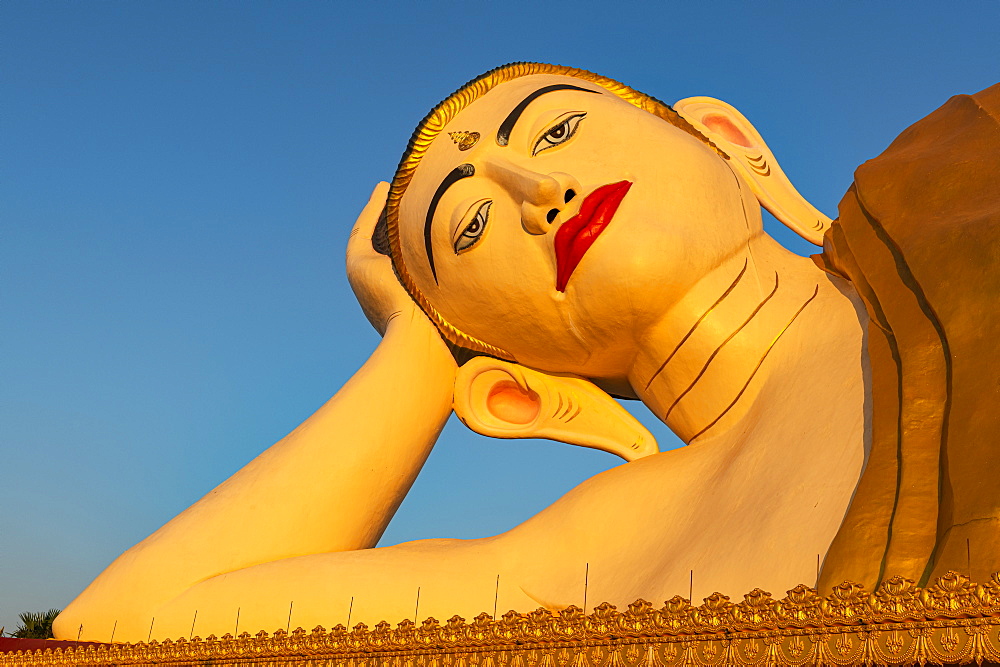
pixel 953 621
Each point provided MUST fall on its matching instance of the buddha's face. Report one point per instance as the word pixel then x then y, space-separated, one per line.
pixel 569 227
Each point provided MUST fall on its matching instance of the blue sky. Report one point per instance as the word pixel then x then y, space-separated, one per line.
pixel 177 182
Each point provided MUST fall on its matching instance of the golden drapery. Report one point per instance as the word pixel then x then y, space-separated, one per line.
pixel 919 237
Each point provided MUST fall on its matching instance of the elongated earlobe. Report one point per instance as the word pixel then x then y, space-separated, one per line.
pixel 753 160
pixel 505 400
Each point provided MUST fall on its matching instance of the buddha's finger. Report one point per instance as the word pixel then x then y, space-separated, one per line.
pixel 360 242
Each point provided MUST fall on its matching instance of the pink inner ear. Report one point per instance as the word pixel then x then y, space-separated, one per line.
pixel 509 403
pixel 725 127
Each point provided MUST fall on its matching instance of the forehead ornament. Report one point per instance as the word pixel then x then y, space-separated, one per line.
pixel 464 140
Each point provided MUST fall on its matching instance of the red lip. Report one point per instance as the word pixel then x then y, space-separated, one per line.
pixel 576 235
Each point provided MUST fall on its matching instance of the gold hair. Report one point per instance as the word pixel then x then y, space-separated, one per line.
pixel 435 121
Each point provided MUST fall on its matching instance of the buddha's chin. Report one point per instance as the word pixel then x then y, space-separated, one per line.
pixel 582 358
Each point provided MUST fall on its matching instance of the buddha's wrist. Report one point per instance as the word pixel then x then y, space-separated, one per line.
pixel 413 335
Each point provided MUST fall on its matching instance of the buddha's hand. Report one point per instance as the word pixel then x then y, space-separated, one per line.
pixel 370 273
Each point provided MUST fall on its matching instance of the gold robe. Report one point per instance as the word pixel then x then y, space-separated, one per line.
pixel 919 237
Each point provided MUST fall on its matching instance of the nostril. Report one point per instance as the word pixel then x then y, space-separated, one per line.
pixel 551 215
pixel 569 196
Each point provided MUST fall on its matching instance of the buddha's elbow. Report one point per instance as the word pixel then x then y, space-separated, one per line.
pixel 81 619
pixel 68 622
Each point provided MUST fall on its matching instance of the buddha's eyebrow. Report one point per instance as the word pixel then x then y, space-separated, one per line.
pixel 454 176
pixel 507 126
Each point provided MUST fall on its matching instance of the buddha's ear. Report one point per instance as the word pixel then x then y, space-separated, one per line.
pixel 505 400
pixel 751 157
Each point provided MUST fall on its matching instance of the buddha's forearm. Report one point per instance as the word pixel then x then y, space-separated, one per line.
pixel 332 484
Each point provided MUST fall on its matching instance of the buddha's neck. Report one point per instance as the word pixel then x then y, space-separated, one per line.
pixel 743 328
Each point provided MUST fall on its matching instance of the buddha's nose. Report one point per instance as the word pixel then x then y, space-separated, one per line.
pixel 544 197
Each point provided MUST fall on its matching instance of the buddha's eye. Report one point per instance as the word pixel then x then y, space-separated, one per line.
pixel 564 128
pixel 470 234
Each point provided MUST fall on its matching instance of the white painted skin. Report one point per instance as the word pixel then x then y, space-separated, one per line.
pixel 777 417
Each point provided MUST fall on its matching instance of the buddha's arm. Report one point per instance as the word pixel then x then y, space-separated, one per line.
pixel 332 484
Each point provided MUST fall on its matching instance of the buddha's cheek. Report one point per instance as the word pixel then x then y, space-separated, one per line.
pixel 628 278
pixel 664 242
pixel 520 315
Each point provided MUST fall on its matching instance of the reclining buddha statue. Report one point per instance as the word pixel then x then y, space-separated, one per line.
pixel 552 239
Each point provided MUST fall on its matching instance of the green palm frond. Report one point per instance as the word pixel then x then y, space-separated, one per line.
pixel 36 624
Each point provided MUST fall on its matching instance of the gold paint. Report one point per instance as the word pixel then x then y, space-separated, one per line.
pixel 434 123
pixel 953 621
pixel 464 140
